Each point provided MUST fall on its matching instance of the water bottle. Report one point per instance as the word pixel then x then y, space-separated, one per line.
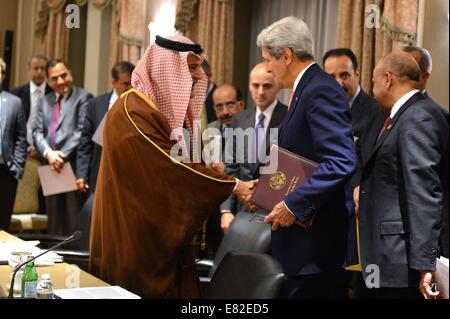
pixel 18 280
pixel 29 281
pixel 45 287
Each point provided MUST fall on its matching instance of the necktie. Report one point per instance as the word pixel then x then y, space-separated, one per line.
pixel 385 126
pixel 55 118
pixel 259 135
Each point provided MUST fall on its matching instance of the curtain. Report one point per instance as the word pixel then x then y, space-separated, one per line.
pixel 50 26
pixel 215 34
pixel 371 39
pixel 319 15
pixel 127 28
pixel 127 31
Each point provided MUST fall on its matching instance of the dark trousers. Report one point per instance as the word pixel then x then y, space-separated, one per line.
pixel 398 293
pixel 62 212
pixel 325 285
pixel 360 290
pixel 8 189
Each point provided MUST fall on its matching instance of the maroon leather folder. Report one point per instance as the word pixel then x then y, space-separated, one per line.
pixel 283 173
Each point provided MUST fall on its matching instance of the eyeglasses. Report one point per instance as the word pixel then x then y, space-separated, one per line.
pixel 229 105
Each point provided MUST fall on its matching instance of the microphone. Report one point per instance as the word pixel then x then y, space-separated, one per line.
pixel 75 236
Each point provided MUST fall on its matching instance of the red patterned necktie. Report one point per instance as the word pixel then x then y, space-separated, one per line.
pixel 385 126
pixel 55 118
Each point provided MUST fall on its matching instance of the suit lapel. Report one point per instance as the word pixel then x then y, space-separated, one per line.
pixel 104 106
pixel 386 133
pixel 277 117
pixel 66 108
pixel 296 98
pixel 357 108
pixel 27 99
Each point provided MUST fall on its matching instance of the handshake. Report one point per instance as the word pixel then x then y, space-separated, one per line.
pixel 279 217
pixel 244 190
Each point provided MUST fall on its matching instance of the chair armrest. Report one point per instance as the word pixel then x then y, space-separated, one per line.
pixel 72 253
pixel 204 263
pixel 203 266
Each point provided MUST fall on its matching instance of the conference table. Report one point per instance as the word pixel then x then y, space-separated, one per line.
pixel 62 275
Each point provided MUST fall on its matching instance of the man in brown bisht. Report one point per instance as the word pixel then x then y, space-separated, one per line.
pixel 149 205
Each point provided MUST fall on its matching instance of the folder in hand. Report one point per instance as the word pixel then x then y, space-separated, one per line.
pixel 276 184
pixel 56 183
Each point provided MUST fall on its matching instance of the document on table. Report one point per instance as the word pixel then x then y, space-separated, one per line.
pixel 441 276
pixel 10 251
pixel 110 292
pixel 56 183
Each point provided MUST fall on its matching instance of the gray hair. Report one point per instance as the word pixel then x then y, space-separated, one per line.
pixel 2 66
pixel 425 62
pixel 290 32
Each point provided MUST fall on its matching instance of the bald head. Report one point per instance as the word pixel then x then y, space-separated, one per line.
pixel 262 86
pixel 227 101
pixel 403 66
pixel 423 59
pixel 395 75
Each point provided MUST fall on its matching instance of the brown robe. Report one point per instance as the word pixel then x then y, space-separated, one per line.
pixel 147 208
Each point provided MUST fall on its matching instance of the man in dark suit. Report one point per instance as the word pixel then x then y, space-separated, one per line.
pixel 89 153
pixel 318 127
pixel 342 65
pixel 403 184
pixel 30 94
pixel 425 62
pixel 56 135
pixel 13 149
pixel 228 102
pixel 264 92
pixel 209 103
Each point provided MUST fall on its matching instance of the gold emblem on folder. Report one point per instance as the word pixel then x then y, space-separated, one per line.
pixel 277 180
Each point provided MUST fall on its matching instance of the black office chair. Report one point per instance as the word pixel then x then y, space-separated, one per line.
pixel 84 225
pixel 247 276
pixel 247 233
pixel 76 252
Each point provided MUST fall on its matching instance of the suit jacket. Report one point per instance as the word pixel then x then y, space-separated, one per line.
pixel 89 153
pixel 23 92
pixel 69 127
pixel 248 171
pixel 13 134
pixel 363 107
pixel 318 127
pixel 367 121
pixel 209 105
pixel 404 188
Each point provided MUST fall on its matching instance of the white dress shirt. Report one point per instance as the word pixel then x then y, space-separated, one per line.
pixel 402 101
pixel 113 99
pixel 267 114
pixel 36 93
pixel 352 100
pixel 299 77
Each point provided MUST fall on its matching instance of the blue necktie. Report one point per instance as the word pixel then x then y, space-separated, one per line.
pixel 259 135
